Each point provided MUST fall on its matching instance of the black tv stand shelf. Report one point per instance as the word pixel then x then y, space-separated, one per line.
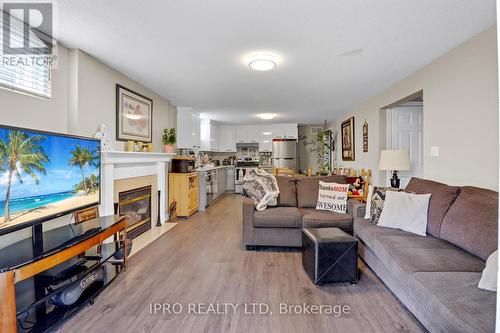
pixel 33 271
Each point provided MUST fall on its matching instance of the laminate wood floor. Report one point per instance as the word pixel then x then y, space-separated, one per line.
pixel 202 260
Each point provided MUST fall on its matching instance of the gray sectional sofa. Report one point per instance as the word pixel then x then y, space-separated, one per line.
pixel 436 276
pixel 282 225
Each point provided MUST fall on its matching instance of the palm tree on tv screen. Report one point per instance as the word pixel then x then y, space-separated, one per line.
pixel 23 153
pixel 80 158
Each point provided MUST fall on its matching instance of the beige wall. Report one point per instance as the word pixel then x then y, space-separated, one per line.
pixel 97 100
pixel 83 96
pixel 460 92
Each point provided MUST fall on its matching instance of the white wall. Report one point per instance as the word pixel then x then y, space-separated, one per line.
pixel 308 148
pixel 460 91
pixel 83 96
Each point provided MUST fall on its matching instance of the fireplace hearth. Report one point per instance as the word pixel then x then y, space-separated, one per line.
pixel 135 206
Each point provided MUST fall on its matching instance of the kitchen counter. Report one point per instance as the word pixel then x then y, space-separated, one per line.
pixel 203 169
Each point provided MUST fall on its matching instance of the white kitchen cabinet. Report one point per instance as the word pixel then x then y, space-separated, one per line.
pixel 291 131
pixel 195 131
pixel 253 134
pixel 188 128
pixel 209 133
pixel 285 131
pixel 241 134
pixel 227 138
pixel 266 139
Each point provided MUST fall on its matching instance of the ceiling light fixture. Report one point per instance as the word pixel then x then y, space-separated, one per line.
pixel 267 133
pixel 266 116
pixel 262 62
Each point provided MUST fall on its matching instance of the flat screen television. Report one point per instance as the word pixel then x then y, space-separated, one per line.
pixel 45 175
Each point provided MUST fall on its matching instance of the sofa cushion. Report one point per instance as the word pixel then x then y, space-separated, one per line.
pixel 441 199
pixel 288 191
pixel 278 217
pixel 453 301
pixel 471 222
pixel 312 218
pixel 308 187
pixel 404 253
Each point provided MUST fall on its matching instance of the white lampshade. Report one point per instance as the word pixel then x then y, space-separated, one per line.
pixel 394 160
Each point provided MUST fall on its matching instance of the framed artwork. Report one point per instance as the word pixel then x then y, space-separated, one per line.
pixel 134 116
pixel 347 132
pixel 86 214
pixel 365 137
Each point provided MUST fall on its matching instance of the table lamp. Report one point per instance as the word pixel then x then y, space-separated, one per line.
pixel 394 160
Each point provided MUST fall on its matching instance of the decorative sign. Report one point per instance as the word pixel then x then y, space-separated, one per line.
pixel 365 137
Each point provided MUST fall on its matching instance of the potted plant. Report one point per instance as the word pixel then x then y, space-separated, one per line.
pixel 169 139
pixel 323 139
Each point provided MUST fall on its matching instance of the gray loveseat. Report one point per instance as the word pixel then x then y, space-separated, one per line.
pixel 436 276
pixel 282 225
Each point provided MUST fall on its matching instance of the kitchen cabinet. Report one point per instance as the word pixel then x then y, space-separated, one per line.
pixel 231 173
pixel 209 133
pixel 183 188
pixel 241 134
pixel 291 131
pixel 188 128
pixel 253 134
pixel 227 138
pixel 266 139
pixel 285 131
pixel 221 181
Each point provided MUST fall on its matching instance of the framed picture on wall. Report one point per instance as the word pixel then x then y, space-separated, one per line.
pixel 134 116
pixel 347 132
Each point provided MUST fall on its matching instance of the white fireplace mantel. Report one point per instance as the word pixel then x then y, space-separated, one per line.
pixel 122 165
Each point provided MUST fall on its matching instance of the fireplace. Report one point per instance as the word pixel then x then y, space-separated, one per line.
pixel 135 206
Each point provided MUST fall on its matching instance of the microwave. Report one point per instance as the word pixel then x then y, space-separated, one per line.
pixel 182 165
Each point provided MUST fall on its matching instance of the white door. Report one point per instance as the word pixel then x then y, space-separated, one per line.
pixel 406 132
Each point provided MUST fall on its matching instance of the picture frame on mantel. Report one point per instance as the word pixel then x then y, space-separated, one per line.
pixel 134 116
pixel 347 137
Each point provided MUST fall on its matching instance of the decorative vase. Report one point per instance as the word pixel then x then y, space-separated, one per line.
pixel 168 148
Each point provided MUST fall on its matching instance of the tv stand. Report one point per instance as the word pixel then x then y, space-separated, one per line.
pixel 30 257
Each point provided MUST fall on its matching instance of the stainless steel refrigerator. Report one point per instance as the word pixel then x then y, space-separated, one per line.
pixel 285 153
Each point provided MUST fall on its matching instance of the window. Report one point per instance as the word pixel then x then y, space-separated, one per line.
pixel 25 72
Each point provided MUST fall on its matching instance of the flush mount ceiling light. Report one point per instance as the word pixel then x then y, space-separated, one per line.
pixel 266 116
pixel 262 62
pixel 267 133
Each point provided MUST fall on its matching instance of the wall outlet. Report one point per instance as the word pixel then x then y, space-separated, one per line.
pixel 435 151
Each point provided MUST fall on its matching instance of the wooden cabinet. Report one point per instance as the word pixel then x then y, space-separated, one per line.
pixel 188 128
pixel 183 188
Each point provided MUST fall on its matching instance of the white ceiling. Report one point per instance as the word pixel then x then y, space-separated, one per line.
pixel 191 51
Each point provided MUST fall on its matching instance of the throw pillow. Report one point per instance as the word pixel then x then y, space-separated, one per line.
pixel 489 277
pixel 405 211
pixel 368 201
pixel 332 197
pixel 377 201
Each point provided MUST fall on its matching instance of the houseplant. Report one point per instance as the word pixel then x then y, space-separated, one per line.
pixel 169 139
pixel 324 140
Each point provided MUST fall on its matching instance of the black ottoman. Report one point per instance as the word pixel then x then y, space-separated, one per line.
pixel 329 255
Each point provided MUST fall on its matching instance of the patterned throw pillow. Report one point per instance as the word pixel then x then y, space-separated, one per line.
pixel 377 202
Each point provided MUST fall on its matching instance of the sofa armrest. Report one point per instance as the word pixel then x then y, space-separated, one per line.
pixel 356 208
pixel 248 210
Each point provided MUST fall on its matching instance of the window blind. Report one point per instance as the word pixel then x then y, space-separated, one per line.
pixel 25 72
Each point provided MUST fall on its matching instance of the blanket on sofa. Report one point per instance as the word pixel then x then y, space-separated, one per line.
pixel 262 188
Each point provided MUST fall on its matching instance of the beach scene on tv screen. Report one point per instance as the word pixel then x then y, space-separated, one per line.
pixel 45 174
